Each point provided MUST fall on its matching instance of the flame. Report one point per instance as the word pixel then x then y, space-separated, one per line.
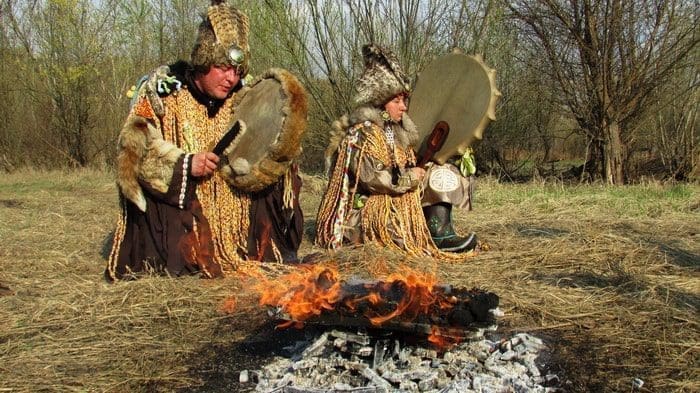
pixel 229 305
pixel 409 296
pixel 304 293
pixel 417 295
pixel 310 290
pixel 442 339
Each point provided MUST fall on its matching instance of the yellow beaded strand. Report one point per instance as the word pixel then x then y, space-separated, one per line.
pixel 187 124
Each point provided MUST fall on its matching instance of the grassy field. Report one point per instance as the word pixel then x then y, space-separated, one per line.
pixel 609 277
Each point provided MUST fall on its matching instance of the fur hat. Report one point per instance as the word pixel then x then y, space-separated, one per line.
pixel 222 38
pixel 382 78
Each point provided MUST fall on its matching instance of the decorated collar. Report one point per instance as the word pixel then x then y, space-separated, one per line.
pixel 404 131
pixel 213 105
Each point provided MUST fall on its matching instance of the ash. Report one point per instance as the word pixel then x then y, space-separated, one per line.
pixel 356 362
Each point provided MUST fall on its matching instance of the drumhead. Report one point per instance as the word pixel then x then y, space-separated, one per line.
pixel 273 110
pixel 460 90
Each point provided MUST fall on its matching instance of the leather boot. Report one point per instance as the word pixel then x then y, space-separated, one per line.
pixel 439 219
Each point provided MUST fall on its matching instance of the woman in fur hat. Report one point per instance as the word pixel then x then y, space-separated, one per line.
pixel 179 215
pixel 374 192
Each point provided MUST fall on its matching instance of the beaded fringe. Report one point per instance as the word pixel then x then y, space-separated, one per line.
pixel 119 233
pixel 186 123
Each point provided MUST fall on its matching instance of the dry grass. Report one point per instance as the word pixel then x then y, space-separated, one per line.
pixel 609 276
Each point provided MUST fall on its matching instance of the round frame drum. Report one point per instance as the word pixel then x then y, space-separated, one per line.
pixel 272 111
pixel 457 89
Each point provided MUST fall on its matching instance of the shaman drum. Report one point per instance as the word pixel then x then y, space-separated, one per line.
pixel 272 114
pixel 457 89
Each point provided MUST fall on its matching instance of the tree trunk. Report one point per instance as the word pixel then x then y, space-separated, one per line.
pixel 614 154
pixel 595 159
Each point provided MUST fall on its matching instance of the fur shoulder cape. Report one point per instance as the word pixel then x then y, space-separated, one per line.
pixel 406 132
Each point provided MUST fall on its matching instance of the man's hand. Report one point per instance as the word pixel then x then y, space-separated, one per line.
pixel 204 164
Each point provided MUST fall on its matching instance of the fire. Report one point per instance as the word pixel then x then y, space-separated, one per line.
pixel 410 301
pixel 441 338
pixel 229 305
pixel 416 298
pixel 303 293
pixel 312 289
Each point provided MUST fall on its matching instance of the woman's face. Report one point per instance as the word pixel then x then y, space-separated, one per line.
pixel 396 107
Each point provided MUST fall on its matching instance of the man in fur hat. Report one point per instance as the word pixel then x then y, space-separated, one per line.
pixel 374 192
pixel 179 215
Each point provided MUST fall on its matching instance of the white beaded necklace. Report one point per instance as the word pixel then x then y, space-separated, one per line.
pixel 389 132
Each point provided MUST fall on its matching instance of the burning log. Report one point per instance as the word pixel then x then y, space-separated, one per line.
pixel 412 303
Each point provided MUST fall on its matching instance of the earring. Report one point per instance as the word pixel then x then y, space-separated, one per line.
pixel 385 116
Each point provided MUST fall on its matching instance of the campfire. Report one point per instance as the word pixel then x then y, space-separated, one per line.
pixel 412 302
pixel 405 333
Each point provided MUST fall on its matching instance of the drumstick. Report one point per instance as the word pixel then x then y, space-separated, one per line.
pixel 226 139
pixel 435 141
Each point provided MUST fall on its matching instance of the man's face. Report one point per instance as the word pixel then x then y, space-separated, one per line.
pixel 396 107
pixel 218 81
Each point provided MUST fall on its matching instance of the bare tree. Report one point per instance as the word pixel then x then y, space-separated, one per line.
pixel 320 40
pixel 62 53
pixel 608 57
pixel 676 123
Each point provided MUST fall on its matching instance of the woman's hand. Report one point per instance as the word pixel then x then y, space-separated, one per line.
pixel 418 172
pixel 204 164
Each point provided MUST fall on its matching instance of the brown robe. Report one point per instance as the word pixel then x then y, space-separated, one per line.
pixel 446 184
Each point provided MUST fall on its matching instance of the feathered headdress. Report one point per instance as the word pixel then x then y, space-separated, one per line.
pixel 382 78
pixel 222 38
